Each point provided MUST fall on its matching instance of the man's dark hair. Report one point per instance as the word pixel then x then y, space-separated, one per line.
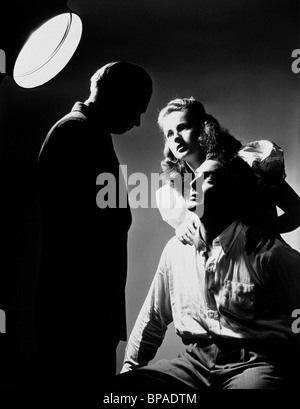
pixel 240 180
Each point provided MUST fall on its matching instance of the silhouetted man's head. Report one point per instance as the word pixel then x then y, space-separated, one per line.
pixel 123 90
pixel 228 187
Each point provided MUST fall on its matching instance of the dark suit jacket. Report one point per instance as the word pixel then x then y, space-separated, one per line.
pixel 82 280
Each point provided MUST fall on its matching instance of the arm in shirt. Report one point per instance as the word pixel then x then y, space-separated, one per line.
pixel 152 322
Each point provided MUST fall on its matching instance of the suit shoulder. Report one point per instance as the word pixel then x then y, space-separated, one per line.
pixel 72 120
pixel 66 130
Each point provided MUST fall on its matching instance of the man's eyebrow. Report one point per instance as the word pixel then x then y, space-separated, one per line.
pixel 213 172
pixel 210 171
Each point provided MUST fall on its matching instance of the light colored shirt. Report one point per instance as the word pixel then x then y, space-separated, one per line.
pixel 229 294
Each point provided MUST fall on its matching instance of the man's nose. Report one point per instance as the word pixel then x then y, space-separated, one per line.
pixel 196 183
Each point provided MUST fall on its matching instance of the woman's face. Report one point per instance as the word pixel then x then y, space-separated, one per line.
pixel 181 135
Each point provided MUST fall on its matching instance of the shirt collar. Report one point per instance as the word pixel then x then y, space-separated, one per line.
pixel 225 239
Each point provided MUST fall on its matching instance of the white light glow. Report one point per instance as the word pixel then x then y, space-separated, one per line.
pixel 48 50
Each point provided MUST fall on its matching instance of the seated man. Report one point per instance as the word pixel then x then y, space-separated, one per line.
pixel 231 309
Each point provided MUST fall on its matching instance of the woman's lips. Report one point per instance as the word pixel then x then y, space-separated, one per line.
pixel 181 148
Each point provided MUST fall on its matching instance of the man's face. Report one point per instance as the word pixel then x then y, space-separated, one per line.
pixel 196 198
pixel 128 116
pixel 212 175
pixel 211 186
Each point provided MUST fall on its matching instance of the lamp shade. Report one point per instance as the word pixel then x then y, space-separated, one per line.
pixel 39 39
pixel 48 49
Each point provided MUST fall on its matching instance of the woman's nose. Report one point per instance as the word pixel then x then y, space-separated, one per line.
pixel 177 136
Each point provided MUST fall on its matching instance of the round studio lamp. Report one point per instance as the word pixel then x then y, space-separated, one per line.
pixel 48 50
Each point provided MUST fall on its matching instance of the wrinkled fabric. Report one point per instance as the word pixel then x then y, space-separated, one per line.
pixel 230 295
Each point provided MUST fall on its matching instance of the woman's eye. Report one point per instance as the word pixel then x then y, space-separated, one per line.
pixel 182 127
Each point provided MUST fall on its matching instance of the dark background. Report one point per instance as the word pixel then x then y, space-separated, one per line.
pixel 234 56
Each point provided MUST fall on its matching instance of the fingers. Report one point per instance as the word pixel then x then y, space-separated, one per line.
pixel 185 239
pixel 191 230
pixel 196 224
pixel 186 232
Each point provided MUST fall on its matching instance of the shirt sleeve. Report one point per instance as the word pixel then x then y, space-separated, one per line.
pixel 152 322
pixel 172 206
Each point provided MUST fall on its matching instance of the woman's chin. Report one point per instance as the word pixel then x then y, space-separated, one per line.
pixel 180 155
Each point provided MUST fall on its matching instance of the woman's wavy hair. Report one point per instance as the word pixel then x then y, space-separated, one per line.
pixel 213 139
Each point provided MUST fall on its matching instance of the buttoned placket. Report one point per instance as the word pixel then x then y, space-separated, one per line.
pixel 208 266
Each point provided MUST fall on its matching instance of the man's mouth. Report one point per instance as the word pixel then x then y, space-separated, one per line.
pixel 195 197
